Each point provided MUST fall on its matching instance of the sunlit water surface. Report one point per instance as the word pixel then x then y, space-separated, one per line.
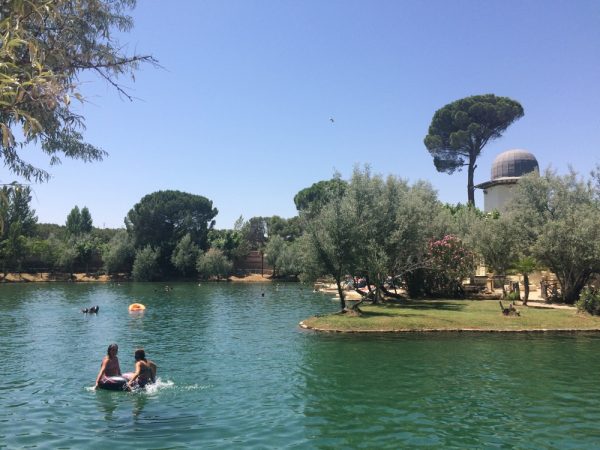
pixel 235 371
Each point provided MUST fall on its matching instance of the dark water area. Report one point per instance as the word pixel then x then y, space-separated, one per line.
pixel 235 371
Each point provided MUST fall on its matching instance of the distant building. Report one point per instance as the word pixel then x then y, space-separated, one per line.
pixel 507 168
pixel 254 262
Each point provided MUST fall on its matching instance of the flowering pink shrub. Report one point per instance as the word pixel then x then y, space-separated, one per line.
pixel 450 262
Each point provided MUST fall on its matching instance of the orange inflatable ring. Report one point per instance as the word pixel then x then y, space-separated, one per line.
pixel 136 307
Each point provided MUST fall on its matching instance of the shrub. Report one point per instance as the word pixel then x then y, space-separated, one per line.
pixel 451 262
pixel 513 296
pixel 589 301
pixel 214 263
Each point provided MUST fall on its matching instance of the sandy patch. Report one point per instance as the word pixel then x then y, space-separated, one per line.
pixel 23 277
pixel 252 278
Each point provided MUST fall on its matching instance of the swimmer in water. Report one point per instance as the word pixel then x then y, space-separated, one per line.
pixel 145 370
pixel 110 364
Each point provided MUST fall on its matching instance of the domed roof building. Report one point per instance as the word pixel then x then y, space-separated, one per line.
pixel 507 168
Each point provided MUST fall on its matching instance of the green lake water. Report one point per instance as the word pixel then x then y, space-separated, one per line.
pixel 235 371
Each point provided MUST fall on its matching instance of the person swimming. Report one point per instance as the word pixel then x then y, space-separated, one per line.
pixel 145 370
pixel 110 364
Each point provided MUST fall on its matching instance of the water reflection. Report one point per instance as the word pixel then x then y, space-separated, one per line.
pixel 447 390
pixel 139 401
pixel 107 403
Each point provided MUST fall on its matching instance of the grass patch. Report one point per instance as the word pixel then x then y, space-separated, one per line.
pixel 450 315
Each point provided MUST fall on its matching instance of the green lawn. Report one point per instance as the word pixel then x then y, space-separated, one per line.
pixel 448 315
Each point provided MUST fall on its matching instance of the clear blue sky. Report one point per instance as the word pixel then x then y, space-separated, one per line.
pixel 240 112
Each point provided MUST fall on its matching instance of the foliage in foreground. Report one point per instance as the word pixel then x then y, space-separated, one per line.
pixel 44 49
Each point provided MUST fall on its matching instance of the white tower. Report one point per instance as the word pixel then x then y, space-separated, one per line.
pixel 507 168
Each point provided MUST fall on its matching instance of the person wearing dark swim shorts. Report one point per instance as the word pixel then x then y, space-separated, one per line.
pixel 145 370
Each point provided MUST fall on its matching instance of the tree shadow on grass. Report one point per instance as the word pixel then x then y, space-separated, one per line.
pixel 446 305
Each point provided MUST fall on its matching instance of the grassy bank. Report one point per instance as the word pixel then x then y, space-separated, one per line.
pixel 453 315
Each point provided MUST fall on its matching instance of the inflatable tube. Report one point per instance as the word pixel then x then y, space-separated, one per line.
pixel 116 383
pixel 136 307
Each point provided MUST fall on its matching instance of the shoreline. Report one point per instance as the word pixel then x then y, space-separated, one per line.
pixel 60 277
pixel 448 330
pixel 455 316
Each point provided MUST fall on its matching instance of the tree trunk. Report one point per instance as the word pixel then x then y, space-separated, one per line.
pixel 470 185
pixel 572 288
pixel 390 294
pixel 370 292
pixel 338 281
pixel 526 288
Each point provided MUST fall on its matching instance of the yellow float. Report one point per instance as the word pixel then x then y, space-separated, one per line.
pixel 136 307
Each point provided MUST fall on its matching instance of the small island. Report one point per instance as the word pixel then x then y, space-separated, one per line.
pixel 454 316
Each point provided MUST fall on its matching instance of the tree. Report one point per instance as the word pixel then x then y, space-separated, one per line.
pixel 15 207
pixel 366 195
pixel 145 265
pixel 493 238
pixel 66 256
pixel 163 218
pixel 86 224
pixel 273 251
pixel 228 241
pixel 44 49
pixel 73 223
pixel 288 229
pixel 185 255
pixel 417 217
pixel 557 217
pixel 329 243
pixel 289 262
pixel 12 249
pixel 87 248
pixel 254 232
pixel 310 200
pixel 118 255
pixel 213 263
pixel 79 221
pixel 41 253
pixel 525 265
pixel 18 223
pixel 459 131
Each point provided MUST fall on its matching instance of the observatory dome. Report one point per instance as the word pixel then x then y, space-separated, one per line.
pixel 514 163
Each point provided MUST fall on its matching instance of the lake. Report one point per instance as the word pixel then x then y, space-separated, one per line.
pixel 235 371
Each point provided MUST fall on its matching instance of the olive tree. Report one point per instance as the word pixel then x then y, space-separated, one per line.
pixel 558 217
pixel 493 239
pixel 214 263
pixel 329 241
pixel 273 251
